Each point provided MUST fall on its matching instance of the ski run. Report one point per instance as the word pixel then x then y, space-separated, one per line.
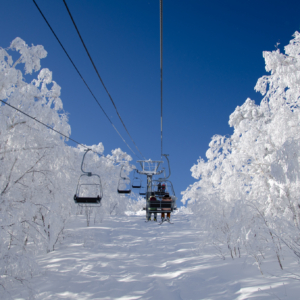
pixel 125 258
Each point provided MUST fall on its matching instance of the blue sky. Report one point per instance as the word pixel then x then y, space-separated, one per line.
pixel 212 60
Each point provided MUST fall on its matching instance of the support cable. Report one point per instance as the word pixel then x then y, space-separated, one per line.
pixel 49 127
pixel 161 74
pixel 110 97
pixel 83 79
pixel 42 123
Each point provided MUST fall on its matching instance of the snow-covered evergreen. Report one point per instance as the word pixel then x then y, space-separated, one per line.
pixel 247 193
pixel 39 172
pixel 246 199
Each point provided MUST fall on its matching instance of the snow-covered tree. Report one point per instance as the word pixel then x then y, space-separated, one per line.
pixel 248 189
pixel 35 168
pixel 38 171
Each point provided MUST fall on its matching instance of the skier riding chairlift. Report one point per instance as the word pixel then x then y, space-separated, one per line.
pixel 152 198
pixel 161 188
pixel 166 198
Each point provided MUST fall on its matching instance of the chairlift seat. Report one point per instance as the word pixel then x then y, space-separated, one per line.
pixel 88 200
pixel 124 191
pixel 136 186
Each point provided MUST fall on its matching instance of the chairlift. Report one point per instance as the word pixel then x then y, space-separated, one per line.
pixel 160 204
pixel 164 193
pixel 165 198
pixel 142 191
pixel 161 187
pixel 136 182
pixel 89 188
pixel 124 185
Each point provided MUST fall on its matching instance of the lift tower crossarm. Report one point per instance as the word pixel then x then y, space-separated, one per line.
pixel 149 167
pixel 149 172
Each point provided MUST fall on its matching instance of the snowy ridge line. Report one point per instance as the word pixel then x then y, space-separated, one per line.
pixel 83 78
pixel 49 127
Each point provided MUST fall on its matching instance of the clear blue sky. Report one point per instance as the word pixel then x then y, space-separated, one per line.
pixel 212 60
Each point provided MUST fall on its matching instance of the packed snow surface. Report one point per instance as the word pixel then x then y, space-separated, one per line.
pixel 127 258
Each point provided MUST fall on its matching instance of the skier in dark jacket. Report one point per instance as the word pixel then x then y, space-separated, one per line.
pixel 166 198
pixel 152 198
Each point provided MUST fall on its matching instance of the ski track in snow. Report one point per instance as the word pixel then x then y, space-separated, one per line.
pixel 126 258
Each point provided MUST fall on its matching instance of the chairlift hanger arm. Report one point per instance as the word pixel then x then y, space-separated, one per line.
pixel 124 177
pixel 88 173
pixel 166 156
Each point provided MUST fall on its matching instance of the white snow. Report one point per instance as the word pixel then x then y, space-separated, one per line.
pixel 125 258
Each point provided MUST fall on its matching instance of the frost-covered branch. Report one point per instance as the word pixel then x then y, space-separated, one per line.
pixel 250 180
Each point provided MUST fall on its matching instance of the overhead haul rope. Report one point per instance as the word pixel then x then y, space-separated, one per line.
pixel 110 97
pixel 161 75
pixel 49 127
pixel 83 79
pixel 41 123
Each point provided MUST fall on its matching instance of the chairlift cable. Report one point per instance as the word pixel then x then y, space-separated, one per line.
pixel 44 124
pixel 83 78
pixel 161 75
pixel 110 97
pixel 49 127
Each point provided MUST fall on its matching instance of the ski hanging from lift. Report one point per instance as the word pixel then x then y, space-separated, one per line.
pixel 164 221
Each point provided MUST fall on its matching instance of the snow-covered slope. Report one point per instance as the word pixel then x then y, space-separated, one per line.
pixel 126 258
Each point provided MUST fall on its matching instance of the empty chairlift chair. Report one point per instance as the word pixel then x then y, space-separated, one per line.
pixel 136 182
pixel 124 185
pixel 142 191
pixel 89 188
